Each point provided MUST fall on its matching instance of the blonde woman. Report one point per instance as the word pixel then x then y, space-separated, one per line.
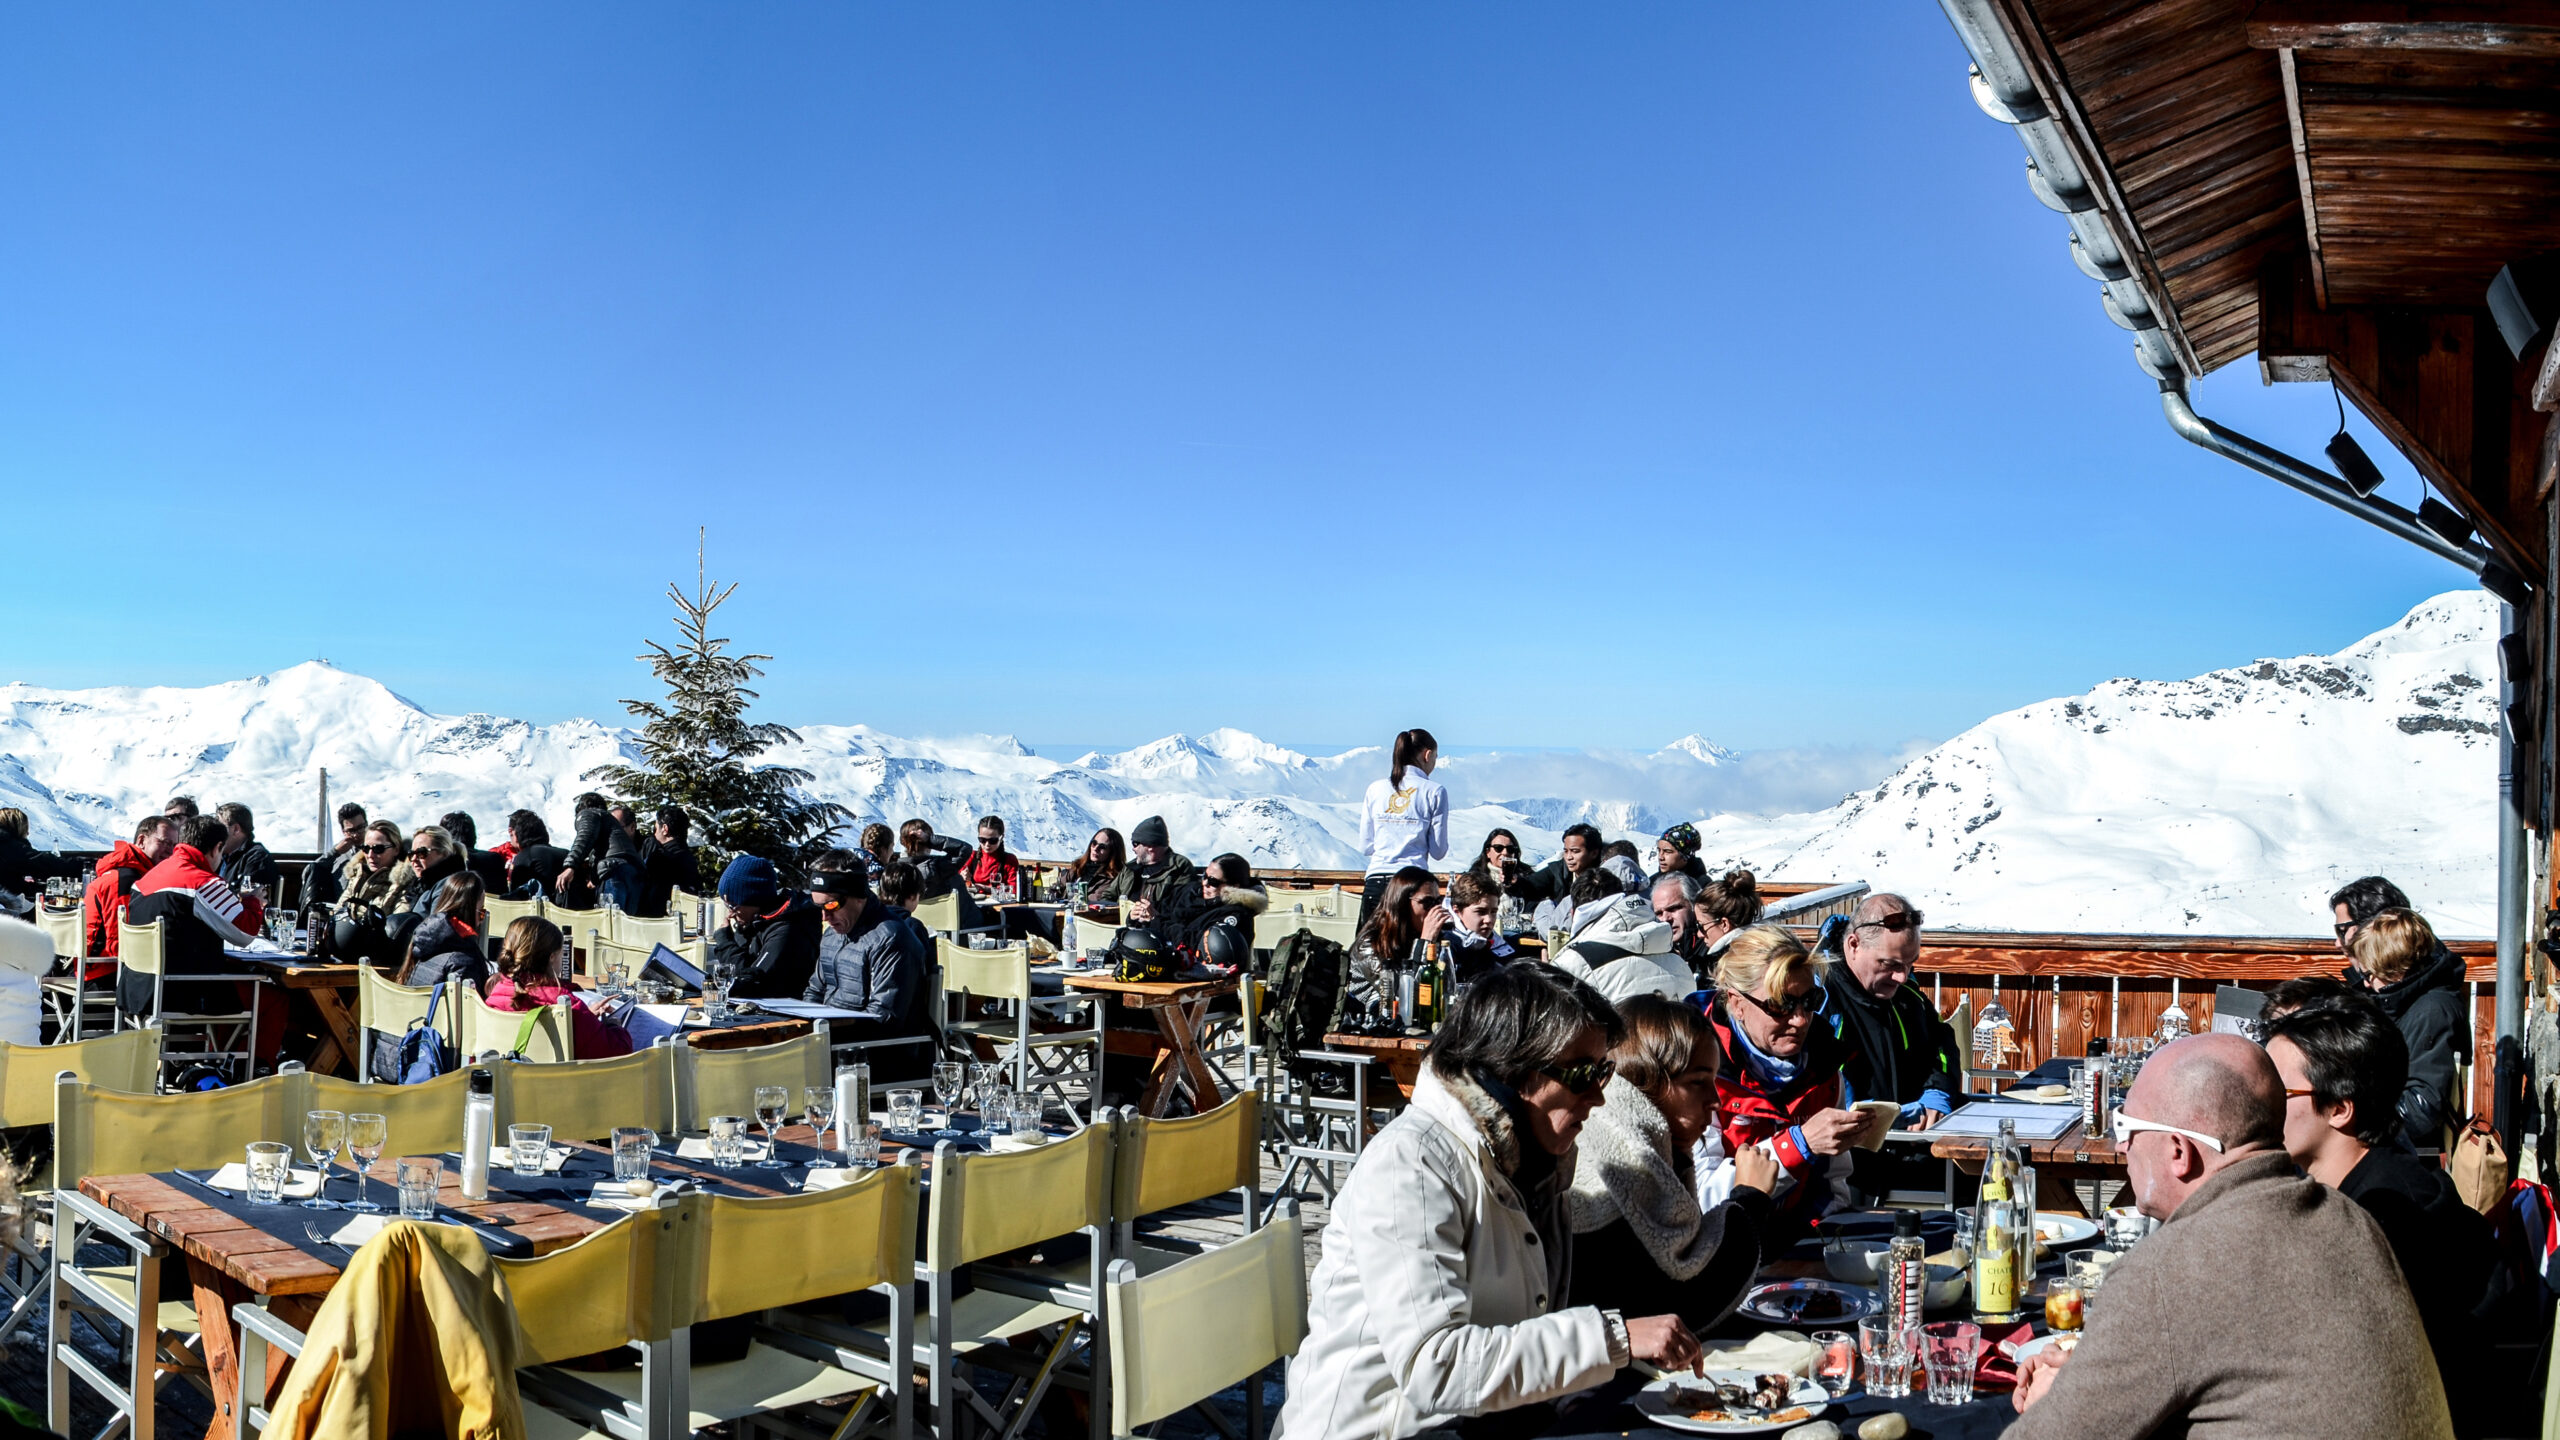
pixel 1778 1076
pixel 2418 983
pixel 375 873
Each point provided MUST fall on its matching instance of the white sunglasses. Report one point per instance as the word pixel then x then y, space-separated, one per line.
pixel 2128 1126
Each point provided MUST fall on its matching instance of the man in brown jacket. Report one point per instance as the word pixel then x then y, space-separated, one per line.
pixel 2266 1305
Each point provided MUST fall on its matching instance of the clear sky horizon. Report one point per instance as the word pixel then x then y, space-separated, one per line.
pixel 1546 376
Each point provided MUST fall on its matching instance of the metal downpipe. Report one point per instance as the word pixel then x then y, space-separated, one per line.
pixel 2311 480
pixel 2514 896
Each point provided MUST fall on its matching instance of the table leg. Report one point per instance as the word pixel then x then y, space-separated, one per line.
pixel 215 1294
pixel 1181 1027
pixel 340 1020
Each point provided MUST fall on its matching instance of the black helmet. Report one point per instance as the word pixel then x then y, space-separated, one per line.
pixel 1224 946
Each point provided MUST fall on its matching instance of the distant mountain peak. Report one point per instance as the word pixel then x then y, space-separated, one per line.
pixel 1699 748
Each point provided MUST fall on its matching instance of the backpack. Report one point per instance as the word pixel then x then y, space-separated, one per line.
pixel 1305 993
pixel 424 1052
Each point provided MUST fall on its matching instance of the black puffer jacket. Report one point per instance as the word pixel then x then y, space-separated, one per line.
pixel 770 956
pixel 24 868
pixel 2433 1014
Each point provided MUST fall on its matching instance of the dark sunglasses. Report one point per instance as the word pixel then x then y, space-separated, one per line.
pixel 380 849
pixel 990 839
pixel 1897 922
pixel 1501 850
pixel 422 854
pixel 1582 1076
pixel 2342 927
pixel 1789 1008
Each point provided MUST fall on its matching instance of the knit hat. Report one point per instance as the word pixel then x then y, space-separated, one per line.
pixel 1683 838
pixel 751 883
pixel 1150 831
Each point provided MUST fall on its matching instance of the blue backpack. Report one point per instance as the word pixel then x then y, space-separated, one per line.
pixel 424 1052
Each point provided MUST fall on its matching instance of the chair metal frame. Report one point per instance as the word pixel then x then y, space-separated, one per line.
pixel 145 948
pixel 1004 974
pixel 1222 1286
pixel 70 998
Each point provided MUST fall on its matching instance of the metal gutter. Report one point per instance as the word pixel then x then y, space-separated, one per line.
pixel 2311 480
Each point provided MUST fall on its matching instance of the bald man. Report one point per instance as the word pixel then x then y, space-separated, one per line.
pixel 2266 1305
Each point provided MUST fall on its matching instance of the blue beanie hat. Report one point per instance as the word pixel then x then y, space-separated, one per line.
pixel 751 883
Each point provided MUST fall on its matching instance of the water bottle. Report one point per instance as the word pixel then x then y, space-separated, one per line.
pixel 479 1132
pixel 853 1104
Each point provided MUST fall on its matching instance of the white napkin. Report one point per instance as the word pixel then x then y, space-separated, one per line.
pixel 698 1147
pixel 503 1157
pixel 613 1197
pixel 1032 1141
pixel 1770 1352
pixel 234 1177
pixel 362 1228
pixel 831 1179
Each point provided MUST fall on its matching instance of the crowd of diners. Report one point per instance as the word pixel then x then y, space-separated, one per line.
pixel 1606 1142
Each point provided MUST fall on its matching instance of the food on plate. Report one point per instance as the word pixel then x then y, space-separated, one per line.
pixel 1810 1305
pixel 641 1188
pixel 1765 1401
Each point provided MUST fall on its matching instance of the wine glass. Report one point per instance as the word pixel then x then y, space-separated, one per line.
pixel 324 1133
pixel 368 1135
pixel 949 1078
pixel 982 1078
pixel 772 1101
pixel 820 1103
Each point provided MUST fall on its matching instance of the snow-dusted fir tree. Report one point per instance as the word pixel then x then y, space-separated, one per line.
pixel 700 749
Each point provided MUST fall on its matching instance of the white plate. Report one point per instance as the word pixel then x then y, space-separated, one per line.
pixel 2032 1346
pixel 1808 1396
pixel 2035 1096
pixel 2058 1232
pixel 1856 1301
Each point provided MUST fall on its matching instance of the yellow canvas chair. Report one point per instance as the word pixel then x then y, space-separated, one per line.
pixel 386 1008
pixel 723 1082
pixel 98 1131
pixel 1162 1164
pixel 693 910
pixel 586 1099
pixel 612 952
pixel 1092 937
pixel 220 1035
pixel 870 1230
pixel 129 1062
pixel 584 928
pixel 77 1006
pixel 542 1036
pixel 941 915
pixel 632 930
pixel 1043 1059
pixel 503 913
pixel 1186 1332
pixel 424 1119
pixel 984 1207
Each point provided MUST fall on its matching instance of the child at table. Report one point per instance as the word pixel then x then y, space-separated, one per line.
pixel 526 982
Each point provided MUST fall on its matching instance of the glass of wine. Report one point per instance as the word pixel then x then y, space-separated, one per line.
pixel 950 1078
pixel 324 1134
pixel 819 1101
pixel 368 1135
pixel 772 1103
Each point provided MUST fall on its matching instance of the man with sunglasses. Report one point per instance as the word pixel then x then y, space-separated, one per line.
pixel 1899 1049
pixel 2267 1304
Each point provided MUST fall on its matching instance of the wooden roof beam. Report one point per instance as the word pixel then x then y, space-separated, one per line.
pixel 2302 173
pixel 2516 28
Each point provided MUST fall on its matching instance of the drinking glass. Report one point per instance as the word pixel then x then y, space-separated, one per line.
pixel 631 1147
pixel 1951 1349
pixel 982 1076
pixel 270 1164
pixel 1026 1114
pixel 949 1076
pixel 324 1134
pixel 715 999
pixel 818 1106
pixel 995 1105
pixel 728 1141
pixel 772 1102
pixel 287 928
pixel 1886 1349
pixel 906 1111
pixel 528 1146
pixel 863 1148
pixel 419 1177
pixel 367 1135
pixel 1839 1363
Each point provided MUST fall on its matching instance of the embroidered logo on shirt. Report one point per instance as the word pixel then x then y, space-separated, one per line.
pixel 1401 801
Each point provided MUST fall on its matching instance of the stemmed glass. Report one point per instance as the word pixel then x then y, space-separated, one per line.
pixel 2175 1023
pixel 983 1077
pixel 949 1079
pixel 324 1134
pixel 772 1101
pixel 820 1103
pixel 368 1136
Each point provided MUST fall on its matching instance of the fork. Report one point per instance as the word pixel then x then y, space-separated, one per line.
pixel 313 1230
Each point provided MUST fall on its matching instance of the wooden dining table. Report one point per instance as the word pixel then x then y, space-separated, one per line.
pixel 1180 1009
pixel 330 987
pixel 2063 1164
pixel 231 1260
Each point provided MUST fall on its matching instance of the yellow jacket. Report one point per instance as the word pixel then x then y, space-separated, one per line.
pixel 417 1339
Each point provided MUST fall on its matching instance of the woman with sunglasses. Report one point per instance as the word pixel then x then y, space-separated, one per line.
pixel 1441 1293
pixel 1778 1078
pixel 1725 906
pixel 1641 1241
pixel 378 874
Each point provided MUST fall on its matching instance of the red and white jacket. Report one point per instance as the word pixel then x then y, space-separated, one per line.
pixel 220 907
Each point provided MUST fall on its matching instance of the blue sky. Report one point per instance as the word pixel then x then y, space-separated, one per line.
pixel 1545 375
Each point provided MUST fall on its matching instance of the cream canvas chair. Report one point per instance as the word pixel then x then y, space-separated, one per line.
pixel 129 1063
pixel 221 1035
pixel 1043 1060
pixel 723 1082
pixel 424 1119
pixel 1160 1165
pixel 586 1099
pixel 641 934
pixel 503 913
pixel 1190 1330
pixel 77 1006
pixel 98 1131
pixel 542 1036
pixel 386 1008
pixel 941 915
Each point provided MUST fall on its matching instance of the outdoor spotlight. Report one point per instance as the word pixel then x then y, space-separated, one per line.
pixel 2444 520
pixel 2520 720
pixel 2506 584
pixel 2354 466
pixel 2513 662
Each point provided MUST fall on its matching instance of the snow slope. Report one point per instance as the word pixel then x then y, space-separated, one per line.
pixel 2229 803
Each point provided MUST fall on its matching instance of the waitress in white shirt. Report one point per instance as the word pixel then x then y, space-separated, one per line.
pixel 1404 819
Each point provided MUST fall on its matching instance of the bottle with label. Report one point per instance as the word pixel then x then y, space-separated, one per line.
pixel 1428 999
pixel 1906 1272
pixel 479 1132
pixel 2000 1167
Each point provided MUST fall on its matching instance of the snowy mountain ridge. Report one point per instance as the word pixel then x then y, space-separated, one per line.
pixel 2227 803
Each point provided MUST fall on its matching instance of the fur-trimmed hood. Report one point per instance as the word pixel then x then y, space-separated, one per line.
pixel 1631 1171
pixel 1251 899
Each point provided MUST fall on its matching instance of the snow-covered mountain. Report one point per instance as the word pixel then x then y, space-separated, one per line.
pixel 2230 803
